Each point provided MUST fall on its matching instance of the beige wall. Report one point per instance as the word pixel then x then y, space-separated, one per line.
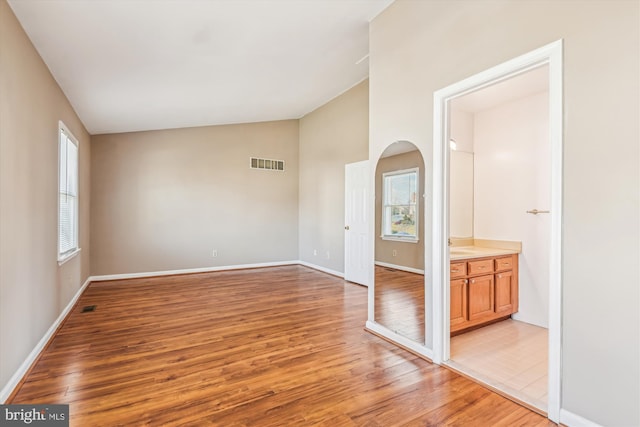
pixel 420 47
pixel 330 137
pixel 33 288
pixel 164 200
pixel 144 183
pixel 407 254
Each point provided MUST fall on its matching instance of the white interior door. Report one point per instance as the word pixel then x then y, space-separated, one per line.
pixel 357 221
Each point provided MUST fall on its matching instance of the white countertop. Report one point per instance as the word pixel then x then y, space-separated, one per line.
pixel 466 252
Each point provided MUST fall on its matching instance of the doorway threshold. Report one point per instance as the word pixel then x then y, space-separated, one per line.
pixel 503 390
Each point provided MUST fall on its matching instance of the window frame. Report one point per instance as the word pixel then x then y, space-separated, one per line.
pixel 384 205
pixel 63 132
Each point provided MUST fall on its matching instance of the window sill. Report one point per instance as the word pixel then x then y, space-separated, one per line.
pixel 400 239
pixel 68 256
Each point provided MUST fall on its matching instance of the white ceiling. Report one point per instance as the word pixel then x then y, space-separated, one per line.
pixel 156 64
pixel 398 147
pixel 526 84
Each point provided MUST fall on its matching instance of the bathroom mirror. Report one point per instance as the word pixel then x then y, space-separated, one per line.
pixel 461 164
pixel 399 241
pixel 460 194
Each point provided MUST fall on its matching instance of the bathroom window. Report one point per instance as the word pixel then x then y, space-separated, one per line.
pixel 400 205
pixel 67 195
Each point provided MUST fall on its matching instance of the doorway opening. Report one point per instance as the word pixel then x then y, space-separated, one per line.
pixel 504 130
pixel 508 120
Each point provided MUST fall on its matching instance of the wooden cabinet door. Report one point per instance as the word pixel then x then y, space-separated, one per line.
pixel 504 292
pixel 480 297
pixel 458 306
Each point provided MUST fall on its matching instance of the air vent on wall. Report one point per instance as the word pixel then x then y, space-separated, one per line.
pixel 270 164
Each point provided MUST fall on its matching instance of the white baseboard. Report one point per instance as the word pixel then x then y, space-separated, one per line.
pixel 403 341
pixel 33 356
pixel 400 267
pixel 320 268
pixel 189 271
pixel 572 420
pixel 106 277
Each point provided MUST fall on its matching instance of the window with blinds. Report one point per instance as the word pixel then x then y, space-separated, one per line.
pixel 67 195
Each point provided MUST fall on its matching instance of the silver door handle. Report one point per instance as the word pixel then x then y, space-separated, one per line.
pixel 536 212
pixel 346 227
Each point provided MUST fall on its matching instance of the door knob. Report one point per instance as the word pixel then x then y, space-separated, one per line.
pixel 346 227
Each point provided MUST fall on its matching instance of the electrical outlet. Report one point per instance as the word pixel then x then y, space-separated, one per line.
pixel 395 252
pixel 214 253
pixel 328 255
pixel 315 252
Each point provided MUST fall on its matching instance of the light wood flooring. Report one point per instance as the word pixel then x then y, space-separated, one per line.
pixel 509 355
pixel 282 346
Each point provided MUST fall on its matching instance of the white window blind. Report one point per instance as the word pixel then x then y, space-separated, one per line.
pixel 68 195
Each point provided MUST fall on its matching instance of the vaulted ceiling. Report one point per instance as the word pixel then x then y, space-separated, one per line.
pixel 138 65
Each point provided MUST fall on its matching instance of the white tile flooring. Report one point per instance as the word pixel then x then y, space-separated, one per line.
pixel 509 355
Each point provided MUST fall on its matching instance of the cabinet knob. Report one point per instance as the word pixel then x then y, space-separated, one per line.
pixel 455 270
pixel 346 227
pixel 499 276
pixel 473 281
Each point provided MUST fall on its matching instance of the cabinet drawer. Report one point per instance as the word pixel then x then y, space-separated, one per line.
pixel 479 267
pixel 458 269
pixel 505 263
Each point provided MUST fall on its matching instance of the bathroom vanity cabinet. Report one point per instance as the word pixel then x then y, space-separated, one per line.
pixel 483 290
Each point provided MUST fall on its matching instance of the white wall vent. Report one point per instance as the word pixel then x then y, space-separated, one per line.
pixel 257 163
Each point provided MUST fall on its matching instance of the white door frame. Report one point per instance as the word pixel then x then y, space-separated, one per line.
pixel 371 324
pixel 551 55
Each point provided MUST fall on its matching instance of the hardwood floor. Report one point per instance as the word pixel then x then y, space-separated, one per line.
pixel 509 355
pixel 281 346
pixel 399 302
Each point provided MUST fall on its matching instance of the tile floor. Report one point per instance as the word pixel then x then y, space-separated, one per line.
pixel 509 355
